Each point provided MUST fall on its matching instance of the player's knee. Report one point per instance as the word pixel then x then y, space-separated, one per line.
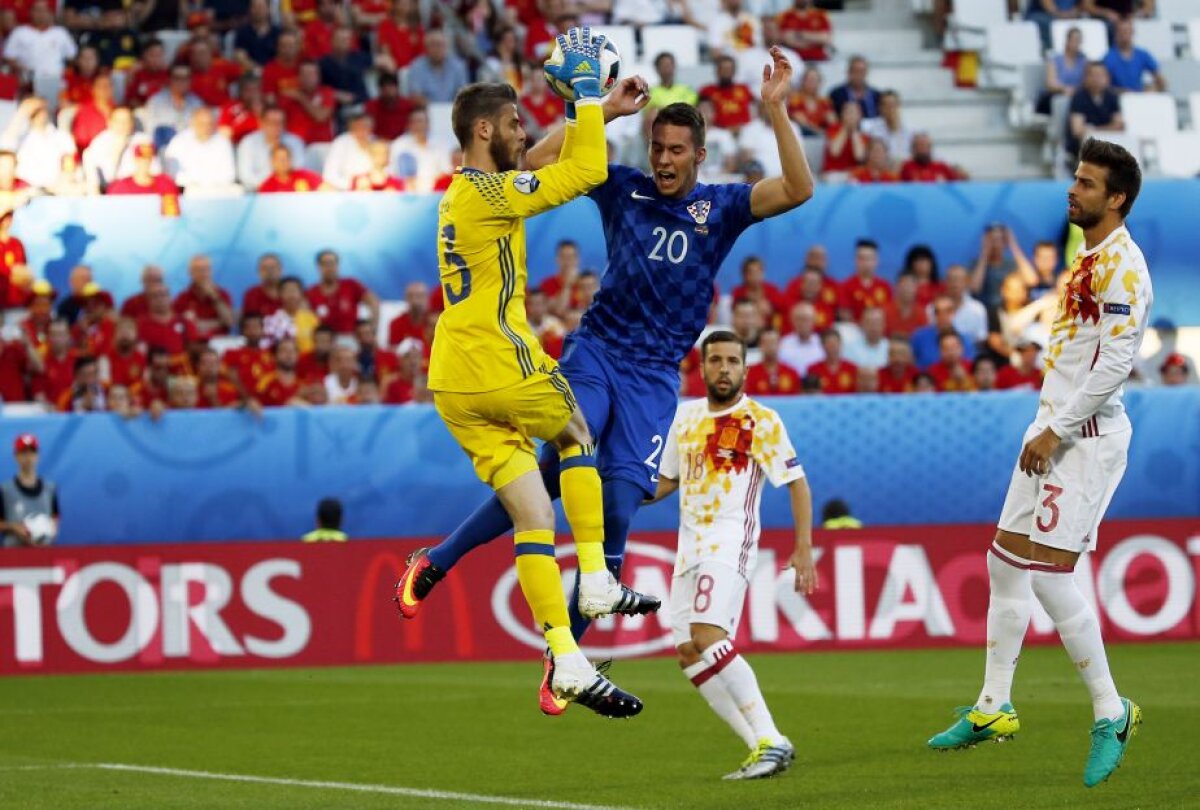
pixel 688 654
pixel 706 635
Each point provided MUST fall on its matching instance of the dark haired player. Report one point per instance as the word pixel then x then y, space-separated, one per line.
pixel 1072 461
pixel 667 235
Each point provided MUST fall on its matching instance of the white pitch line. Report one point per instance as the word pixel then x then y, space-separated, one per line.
pixel 322 785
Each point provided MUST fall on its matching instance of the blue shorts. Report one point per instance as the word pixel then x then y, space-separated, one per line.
pixel 628 406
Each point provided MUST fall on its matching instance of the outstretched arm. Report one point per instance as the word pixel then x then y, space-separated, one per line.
pixel 776 195
pixel 629 97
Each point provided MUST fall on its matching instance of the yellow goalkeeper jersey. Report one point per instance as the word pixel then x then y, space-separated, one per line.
pixel 483 341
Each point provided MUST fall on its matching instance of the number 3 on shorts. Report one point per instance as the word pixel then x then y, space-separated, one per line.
pixel 1052 493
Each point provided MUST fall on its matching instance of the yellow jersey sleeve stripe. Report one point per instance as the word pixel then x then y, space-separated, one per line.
pixel 508 272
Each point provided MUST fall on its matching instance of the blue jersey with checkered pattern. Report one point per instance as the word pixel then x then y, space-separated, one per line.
pixel 663 257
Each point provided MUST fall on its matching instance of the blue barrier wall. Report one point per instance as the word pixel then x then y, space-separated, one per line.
pixel 216 476
pixel 387 239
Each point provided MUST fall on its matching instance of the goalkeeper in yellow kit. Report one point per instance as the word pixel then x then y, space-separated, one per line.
pixel 493 385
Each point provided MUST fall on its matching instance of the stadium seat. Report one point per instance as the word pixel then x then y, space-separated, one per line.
pixel 1095 36
pixel 966 28
pixel 441 127
pixel 1193 37
pixel 171 41
pixel 222 192
pixel 1156 36
pixel 7 110
pixel 1178 154
pixel 1176 12
pixel 681 40
pixel 1194 109
pixel 314 156
pixel 623 37
pixel 1149 115
pixel 1183 78
pixel 1010 47
pixel 1131 142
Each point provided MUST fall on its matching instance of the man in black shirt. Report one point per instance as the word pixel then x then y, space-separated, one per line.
pixel 1094 106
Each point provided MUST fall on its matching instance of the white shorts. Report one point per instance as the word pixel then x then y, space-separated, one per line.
pixel 707 593
pixel 1063 508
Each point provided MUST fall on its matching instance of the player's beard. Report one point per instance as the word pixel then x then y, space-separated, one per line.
pixel 1086 219
pixel 502 154
pixel 717 397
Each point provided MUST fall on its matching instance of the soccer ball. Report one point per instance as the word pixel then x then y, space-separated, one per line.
pixel 610 71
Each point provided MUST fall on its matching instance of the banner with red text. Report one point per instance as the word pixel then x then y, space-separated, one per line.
pixel 103 608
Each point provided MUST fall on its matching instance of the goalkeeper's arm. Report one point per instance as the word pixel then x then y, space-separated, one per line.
pixel 629 97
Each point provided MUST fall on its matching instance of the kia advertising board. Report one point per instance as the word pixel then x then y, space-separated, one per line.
pixel 285 604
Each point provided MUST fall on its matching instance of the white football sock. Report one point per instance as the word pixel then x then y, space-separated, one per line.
pixel 739 680
pixel 718 697
pixel 1080 633
pixel 1009 606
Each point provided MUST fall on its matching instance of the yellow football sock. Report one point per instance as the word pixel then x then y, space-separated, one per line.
pixel 583 501
pixel 560 641
pixel 540 579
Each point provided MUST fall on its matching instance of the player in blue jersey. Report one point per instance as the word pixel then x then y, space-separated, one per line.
pixel 667 235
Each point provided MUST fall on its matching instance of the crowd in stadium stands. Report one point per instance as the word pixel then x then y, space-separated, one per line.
pixel 327 95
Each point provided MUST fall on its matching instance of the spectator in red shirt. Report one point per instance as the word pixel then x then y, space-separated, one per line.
pixel 314 364
pixel 368 15
pixel 214 388
pixel 899 376
pixel 951 373
pixel 806 30
pixel 747 322
pixel 1022 373
pixel 732 101
pixel 922 168
pixel 374 362
pixel 756 288
pixel 864 289
pixel 836 376
pixel 548 329
pixel 539 108
pixel 282 74
pixel 389 109
pixel 151 75
pixel 20 361
pixel 92 117
pixel 379 178
pixel 812 289
pixel 769 376
pixel 78 77
pixel 13 265
pixel 211 76
pixel 263 298
pixel 560 287
pixel 983 374
pixel 921 263
pixel 878 168
pixel 41 311
pixel 904 313
pixel 401 388
pixel 58 365
pixel 144 181
pixel 207 306
pixel 94 330
pixel 135 306
pixel 124 363
pixel 410 324
pixel 336 300
pixel 401 38
pixel 86 393
pixel 282 385
pixel 809 108
pixel 253 359
pixel 318 34
pixel 161 328
pixel 241 117
pixel 285 178
pixel 845 146
pixel 541 27
pixel 309 106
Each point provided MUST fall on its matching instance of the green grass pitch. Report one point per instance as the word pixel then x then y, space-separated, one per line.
pixel 860 721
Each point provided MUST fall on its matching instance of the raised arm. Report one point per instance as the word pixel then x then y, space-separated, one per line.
pixel 775 195
pixel 629 97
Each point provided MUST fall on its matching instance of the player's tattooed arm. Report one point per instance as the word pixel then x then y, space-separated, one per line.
pixel 629 97
pixel 775 195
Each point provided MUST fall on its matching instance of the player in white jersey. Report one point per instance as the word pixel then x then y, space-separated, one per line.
pixel 1072 460
pixel 717 454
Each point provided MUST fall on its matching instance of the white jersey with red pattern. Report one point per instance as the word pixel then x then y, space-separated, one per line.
pixel 720 459
pixel 1095 339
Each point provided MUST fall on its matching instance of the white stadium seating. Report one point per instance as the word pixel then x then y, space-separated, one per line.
pixel 623 37
pixel 1156 36
pixel 1193 37
pixel 1176 11
pixel 1178 154
pixel 1194 108
pixel 1149 115
pixel 681 40
pixel 1010 47
pixel 966 28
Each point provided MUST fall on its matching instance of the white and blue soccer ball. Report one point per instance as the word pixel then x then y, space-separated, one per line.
pixel 610 71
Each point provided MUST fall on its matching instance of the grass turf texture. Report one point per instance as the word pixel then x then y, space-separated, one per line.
pixel 859 721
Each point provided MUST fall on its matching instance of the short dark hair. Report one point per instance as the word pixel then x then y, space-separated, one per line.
pixel 949 333
pixel 661 56
pixel 82 362
pixel 475 101
pixel 562 243
pixel 721 336
pixel 151 43
pixel 867 243
pixel 321 254
pixel 1124 173
pixel 983 358
pixel 324 329
pixel 1045 243
pixel 680 114
pixel 291 280
pixel 389 78
pixel 831 332
pixel 248 316
pixel 329 513
pixel 833 509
